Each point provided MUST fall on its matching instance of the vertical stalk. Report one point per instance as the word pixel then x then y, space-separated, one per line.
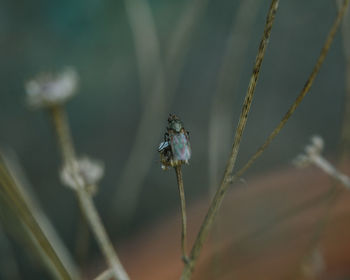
pixel 65 142
pixel 180 185
pixel 221 191
pixel 100 234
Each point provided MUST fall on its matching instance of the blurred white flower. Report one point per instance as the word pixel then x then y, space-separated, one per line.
pixel 316 146
pixel 84 173
pixel 314 149
pixel 48 90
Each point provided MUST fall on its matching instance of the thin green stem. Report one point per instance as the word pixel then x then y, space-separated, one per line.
pixel 87 206
pixel 180 184
pixel 218 198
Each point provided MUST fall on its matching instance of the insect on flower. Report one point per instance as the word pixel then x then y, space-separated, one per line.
pixel 175 149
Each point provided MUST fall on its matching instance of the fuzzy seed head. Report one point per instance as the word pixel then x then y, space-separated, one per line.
pixel 312 150
pixel 86 173
pixel 48 90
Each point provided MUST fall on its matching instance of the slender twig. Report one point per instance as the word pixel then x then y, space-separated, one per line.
pixel 221 112
pixel 24 211
pixel 327 167
pixel 12 164
pixel 297 102
pixel 309 82
pixel 313 156
pixel 227 83
pixel 301 95
pixel 343 152
pixel 180 184
pixel 87 206
pixel 217 200
pixel 65 141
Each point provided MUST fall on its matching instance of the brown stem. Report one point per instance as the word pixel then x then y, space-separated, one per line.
pixel 87 206
pixel 301 95
pixel 65 141
pixel 220 193
pixel 180 185
pixel 213 208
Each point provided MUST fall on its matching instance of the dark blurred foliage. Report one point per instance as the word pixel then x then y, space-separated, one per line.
pixel 95 37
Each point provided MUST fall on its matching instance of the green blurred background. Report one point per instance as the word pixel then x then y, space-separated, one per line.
pixel 96 38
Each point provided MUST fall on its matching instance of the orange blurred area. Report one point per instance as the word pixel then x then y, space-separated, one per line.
pixel 288 224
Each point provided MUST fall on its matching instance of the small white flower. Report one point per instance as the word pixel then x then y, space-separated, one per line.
pixel 84 173
pixel 312 150
pixel 91 170
pixel 47 90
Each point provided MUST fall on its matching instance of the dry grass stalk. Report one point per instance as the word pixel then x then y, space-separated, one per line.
pixel 87 206
pixel 301 95
pixel 180 185
pixel 25 212
pixel 217 200
pixel 57 90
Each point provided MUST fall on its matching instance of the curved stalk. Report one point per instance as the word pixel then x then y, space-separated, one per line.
pixel 220 193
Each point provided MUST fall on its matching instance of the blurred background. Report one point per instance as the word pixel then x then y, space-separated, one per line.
pixel 137 62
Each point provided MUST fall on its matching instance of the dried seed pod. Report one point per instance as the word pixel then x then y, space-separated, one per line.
pixel 48 90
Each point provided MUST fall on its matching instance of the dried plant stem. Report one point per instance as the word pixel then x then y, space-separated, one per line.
pixel 65 141
pixel 227 83
pixel 217 200
pixel 221 112
pixel 180 184
pixel 101 235
pixel 332 197
pixel 23 210
pixel 313 156
pixel 333 194
pixel 301 95
pixel 328 168
pixel 87 206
